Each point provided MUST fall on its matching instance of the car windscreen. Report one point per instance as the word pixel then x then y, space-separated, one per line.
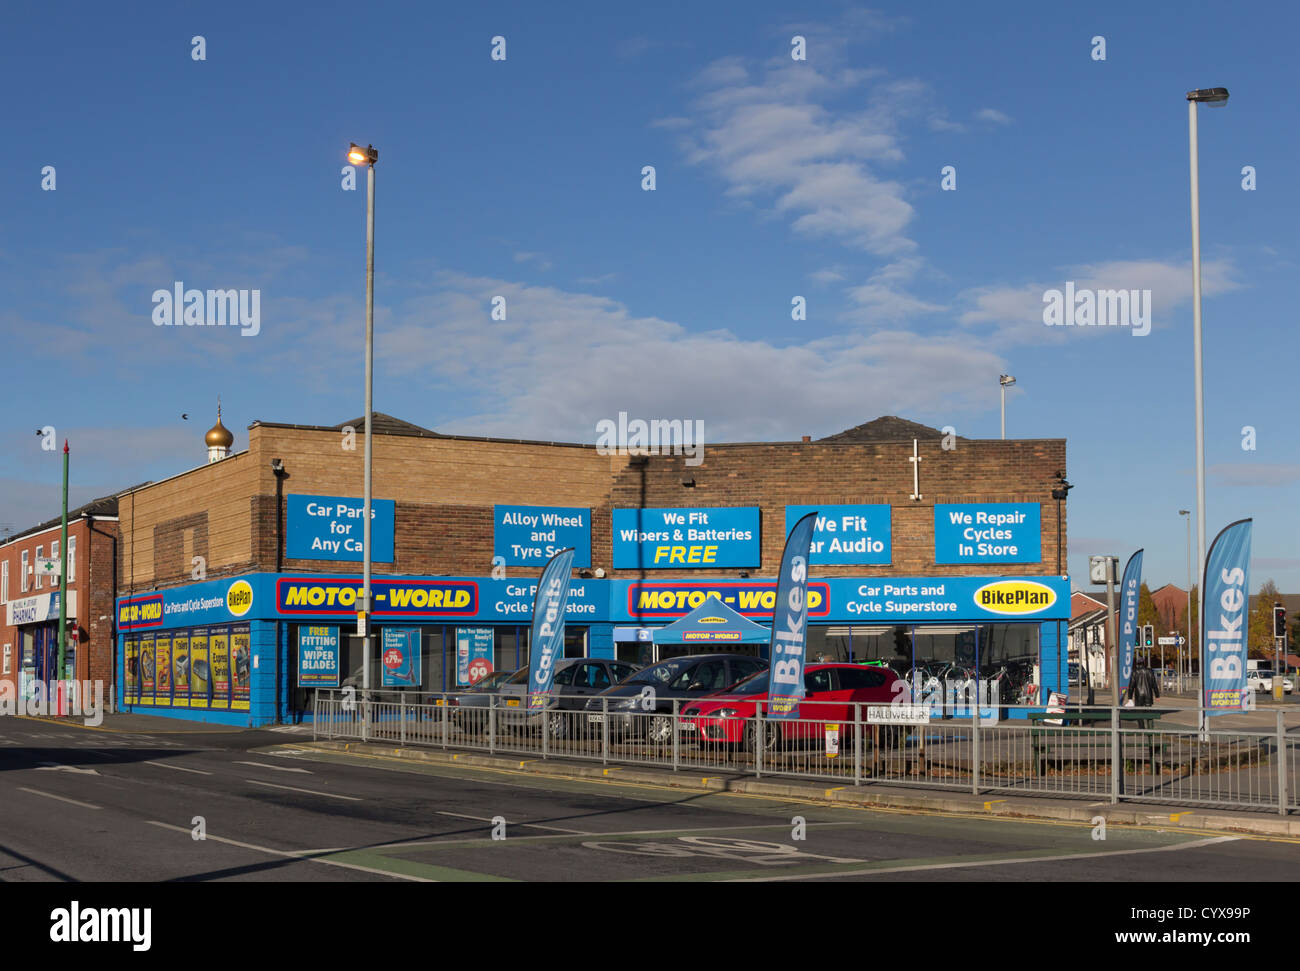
pixel 755 684
pixel 519 677
pixel 662 673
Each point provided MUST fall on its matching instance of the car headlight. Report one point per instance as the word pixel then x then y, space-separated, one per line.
pixel 726 713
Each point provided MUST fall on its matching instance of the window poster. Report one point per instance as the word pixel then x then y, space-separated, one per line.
pixel 241 663
pixel 181 669
pixel 219 663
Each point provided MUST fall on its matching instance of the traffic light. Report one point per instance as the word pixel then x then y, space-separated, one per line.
pixel 1279 620
pixel 1147 635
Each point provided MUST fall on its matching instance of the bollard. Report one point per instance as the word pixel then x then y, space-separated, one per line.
pixel 445 716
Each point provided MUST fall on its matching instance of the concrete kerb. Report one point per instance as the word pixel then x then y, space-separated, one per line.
pixel 1004 806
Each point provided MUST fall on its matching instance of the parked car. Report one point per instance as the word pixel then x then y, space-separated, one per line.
pixel 576 680
pixel 643 703
pixel 832 690
pixel 489 683
pixel 1261 680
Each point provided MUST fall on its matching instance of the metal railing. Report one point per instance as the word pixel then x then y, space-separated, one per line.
pixel 1101 753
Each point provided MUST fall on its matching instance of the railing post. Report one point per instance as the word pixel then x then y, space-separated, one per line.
pixel 677 735
pixel 1281 762
pixel 492 723
pixel 758 740
pixel 1115 755
pixel 315 712
pixel 975 746
pixel 365 717
pixel 401 715
pixel 546 730
pixel 446 715
pixel 857 743
pixel 604 730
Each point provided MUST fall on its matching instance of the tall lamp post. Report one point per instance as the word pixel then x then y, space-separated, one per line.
pixel 1188 514
pixel 1215 97
pixel 367 156
pixel 1060 493
pixel 1006 381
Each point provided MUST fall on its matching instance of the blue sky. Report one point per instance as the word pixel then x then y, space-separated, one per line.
pixel 774 179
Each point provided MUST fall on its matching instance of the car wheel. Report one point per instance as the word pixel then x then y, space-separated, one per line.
pixel 558 725
pixel 771 737
pixel 660 729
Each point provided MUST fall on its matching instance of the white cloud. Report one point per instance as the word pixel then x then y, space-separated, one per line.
pixel 994 116
pixel 562 361
pixel 537 259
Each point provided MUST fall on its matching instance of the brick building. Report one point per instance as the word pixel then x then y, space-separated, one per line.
pixel 222 565
pixel 30 600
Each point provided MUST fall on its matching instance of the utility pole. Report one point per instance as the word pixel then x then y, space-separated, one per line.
pixel 63 581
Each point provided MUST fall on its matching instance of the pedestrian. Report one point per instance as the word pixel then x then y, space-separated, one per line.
pixel 1143 687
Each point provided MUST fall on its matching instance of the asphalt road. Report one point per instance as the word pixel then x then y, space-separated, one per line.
pixel 84 804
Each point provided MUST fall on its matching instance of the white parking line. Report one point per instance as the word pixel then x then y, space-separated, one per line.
pixel 178 768
pixel 281 768
pixel 294 855
pixel 313 792
pixel 980 863
pixel 50 795
pixel 489 819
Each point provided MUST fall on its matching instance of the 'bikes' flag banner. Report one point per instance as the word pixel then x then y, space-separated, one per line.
pixel 1129 592
pixel 790 623
pixel 1224 624
pixel 547 645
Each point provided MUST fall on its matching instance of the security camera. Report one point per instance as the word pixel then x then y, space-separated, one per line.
pixel 277 465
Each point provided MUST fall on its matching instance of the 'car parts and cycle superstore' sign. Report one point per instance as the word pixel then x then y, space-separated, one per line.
pixel 686 538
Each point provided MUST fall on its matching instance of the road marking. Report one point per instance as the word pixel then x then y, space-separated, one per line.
pixel 50 795
pixel 178 768
pixel 56 767
pixel 632 832
pixel 313 792
pixel 489 819
pixel 280 768
pixel 1002 862
pixel 293 855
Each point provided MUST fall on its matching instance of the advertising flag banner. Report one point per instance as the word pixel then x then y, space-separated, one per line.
pixel 547 644
pixel 401 657
pixel 1129 592
pixel 790 623
pixel 1224 624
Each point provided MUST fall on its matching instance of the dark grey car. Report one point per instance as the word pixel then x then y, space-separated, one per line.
pixel 576 680
pixel 643 703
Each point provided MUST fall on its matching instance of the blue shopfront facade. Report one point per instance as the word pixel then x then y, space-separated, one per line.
pixel 229 650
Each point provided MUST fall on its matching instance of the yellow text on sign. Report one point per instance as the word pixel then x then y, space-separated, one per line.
pixel 693 553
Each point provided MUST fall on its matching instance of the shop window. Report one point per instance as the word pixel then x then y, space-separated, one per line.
pixel 72 558
pixel 40 551
pixel 9 651
pixel 1008 654
pixel 22 583
pixel 944 652
pixel 828 644
pixel 891 645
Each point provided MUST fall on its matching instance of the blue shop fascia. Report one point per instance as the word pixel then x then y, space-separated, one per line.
pixel 239 650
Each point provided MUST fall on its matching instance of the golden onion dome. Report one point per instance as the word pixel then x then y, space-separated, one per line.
pixel 219 436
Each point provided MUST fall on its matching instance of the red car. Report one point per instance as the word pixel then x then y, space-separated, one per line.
pixel 832 690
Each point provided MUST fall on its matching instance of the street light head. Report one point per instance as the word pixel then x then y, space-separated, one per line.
pixel 1214 97
pixel 1006 380
pixel 1184 512
pixel 362 156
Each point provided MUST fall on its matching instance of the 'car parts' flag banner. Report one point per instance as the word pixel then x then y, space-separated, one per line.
pixel 547 645
pixel 1224 624
pixel 790 623
pixel 1129 592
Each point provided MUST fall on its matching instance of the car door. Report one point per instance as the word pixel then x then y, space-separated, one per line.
pixel 591 678
pixel 821 703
